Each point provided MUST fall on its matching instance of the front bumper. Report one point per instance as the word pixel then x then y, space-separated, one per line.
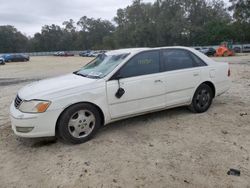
pixel 33 125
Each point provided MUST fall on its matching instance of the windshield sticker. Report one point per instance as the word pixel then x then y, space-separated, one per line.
pixel 145 61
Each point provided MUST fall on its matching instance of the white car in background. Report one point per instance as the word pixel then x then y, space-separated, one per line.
pixel 117 85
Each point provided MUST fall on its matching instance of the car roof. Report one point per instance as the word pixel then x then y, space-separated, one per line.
pixel 134 51
pixel 126 50
pixel 137 50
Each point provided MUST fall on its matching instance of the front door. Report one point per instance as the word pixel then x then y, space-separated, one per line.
pixel 143 86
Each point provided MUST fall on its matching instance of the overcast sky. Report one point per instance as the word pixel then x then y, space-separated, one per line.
pixel 29 16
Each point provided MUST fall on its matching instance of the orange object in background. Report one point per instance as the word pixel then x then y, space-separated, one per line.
pixel 224 50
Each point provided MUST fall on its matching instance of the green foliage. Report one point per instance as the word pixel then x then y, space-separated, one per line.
pixel 241 15
pixel 162 23
pixel 12 40
pixel 169 22
pixel 241 10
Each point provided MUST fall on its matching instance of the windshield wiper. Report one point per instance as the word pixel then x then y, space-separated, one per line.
pixel 94 77
pixel 85 75
pixel 79 74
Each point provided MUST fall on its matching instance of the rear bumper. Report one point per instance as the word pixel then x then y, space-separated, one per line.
pixel 33 125
pixel 222 87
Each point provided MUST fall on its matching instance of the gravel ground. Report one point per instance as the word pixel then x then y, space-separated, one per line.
pixel 172 148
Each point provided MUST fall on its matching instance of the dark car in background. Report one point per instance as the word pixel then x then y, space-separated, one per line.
pixel 237 49
pixel 208 51
pixel 2 61
pixel 198 49
pixel 15 57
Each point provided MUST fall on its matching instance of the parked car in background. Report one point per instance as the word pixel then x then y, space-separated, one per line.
pixel 208 51
pixel 66 54
pixel 56 54
pixel 84 53
pixel 7 57
pixel 117 85
pixel 198 49
pixel 241 48
pixel 89 53
pixel 2 61
pixel 237 49
pixel 63 54
pixel 15 57
pixel 92 54
pixel 96 53
pixel 246 48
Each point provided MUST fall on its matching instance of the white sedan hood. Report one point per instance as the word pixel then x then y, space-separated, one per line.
pixel 49 88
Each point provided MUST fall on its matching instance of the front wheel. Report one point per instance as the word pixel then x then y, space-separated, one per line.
pixel 202 99
pixel 79 123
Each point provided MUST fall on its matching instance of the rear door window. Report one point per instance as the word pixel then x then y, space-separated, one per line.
pixel 176 59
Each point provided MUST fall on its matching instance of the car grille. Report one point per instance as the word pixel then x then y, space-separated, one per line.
pixel 18 101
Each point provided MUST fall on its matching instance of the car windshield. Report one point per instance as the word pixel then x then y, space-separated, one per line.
pixel 101 66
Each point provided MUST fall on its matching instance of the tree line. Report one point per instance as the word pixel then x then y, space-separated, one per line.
pixel 162 23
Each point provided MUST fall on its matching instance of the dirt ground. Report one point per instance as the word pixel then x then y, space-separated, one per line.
pixel 172 148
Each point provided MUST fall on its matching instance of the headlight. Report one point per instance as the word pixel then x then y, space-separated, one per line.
pixel 34 106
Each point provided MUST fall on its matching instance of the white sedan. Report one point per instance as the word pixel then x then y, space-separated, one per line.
pixel 117 85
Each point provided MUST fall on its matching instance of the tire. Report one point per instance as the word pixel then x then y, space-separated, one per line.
pixel 79 123
pixel 202 99
pixel 225 54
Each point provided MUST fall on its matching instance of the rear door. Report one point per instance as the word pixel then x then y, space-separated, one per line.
pixel 20 58
pixel 143 84
pixel 182 75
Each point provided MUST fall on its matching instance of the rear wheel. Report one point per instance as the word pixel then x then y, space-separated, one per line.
pixel 79 123
pixel 225 54
pixel 202 99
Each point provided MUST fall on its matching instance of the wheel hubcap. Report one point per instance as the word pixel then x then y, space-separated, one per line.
pixel 81 124
pixel 203 98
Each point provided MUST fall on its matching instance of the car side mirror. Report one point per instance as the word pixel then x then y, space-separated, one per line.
pixel 117 76
pixel 120 92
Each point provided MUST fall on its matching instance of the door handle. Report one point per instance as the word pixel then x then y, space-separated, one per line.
pixel 158 81
pixel 196 74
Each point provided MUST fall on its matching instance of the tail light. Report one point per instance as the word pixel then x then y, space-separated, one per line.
pixel 229 72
